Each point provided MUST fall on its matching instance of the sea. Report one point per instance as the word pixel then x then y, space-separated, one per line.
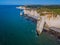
pixel 17 30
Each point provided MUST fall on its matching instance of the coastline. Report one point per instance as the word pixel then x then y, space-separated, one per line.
pixel 40 25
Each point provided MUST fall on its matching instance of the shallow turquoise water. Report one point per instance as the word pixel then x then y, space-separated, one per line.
pixel 16 30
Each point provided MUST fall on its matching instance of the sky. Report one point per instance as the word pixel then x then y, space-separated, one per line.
pixel 29 2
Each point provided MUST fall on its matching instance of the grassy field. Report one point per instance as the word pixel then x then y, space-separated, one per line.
pixel 54 9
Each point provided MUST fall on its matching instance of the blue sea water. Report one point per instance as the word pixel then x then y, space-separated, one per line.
pixel 16 30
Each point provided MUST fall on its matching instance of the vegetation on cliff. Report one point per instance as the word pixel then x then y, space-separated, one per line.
pixel 55 9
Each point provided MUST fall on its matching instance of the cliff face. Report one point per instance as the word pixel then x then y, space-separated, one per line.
pixel 53 21
pixel 32 13
pixel 49 19
pixel 48 22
